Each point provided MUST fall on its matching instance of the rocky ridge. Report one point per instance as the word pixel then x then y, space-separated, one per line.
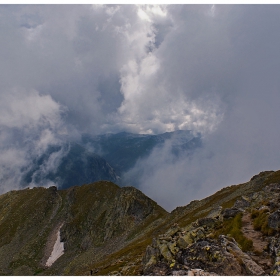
pixel 208 246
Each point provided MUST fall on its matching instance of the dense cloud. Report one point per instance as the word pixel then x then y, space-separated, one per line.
pixel 71 69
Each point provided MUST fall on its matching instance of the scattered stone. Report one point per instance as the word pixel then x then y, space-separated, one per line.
pixel 200 272
pixel 264 207
pixel 274 249
pixel 274 187
pixel 195 250
pixel 182 243
pixel 190 273
pixel 179 272
pixel 210 256
pixel 274 246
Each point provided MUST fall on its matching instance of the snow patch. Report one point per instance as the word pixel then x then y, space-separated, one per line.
pixel 58 250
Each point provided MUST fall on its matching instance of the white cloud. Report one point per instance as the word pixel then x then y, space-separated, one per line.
pixel 29 124
pixel 213 69
pixel 19 108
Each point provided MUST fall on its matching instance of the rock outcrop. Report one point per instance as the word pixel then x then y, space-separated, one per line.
pixel 196 249
pixel 190 252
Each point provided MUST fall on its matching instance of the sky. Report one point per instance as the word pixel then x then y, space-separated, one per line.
pixel 213 69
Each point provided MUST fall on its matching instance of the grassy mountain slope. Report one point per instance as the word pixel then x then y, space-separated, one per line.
pixel 97 219
pixel 110 230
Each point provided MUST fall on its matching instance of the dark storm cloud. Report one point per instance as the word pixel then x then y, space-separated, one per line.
pixel 213 69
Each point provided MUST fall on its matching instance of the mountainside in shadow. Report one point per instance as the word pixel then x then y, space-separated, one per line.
pixel 122 150
pixel 76 167
pixel 102 157
pixel 102 229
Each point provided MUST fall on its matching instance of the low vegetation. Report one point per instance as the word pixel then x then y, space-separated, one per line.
pixel 232 227
pixel 260 221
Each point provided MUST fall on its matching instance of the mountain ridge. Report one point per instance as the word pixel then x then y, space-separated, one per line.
pixel 109 230
pixel 101 157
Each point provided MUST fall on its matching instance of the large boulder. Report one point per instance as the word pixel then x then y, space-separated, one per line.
pixel 230 212
pixel 274 220
pixel 216 213
pixel 242 203
pixel 207 223
pixel 151 256
pixel 274 250
pixel 251 267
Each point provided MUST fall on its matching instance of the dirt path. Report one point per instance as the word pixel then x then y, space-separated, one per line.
pixel 256 236
pixel 259 243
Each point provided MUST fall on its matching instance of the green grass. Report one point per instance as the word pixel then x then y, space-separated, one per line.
pixel 260 222
pixel 233 227
pixel 207 204
pixel 273 178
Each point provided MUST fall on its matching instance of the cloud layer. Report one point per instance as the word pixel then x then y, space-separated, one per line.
pixel 213 69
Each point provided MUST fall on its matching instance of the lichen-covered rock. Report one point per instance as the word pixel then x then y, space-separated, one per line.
pixel 172 247
pixel 182 243
pixel 230 212
pixel 275 271
pixel 207 223
pixel 173 230
pixel 210 256
pixel 242 203
pixel 274 250
pixel 150 258
pixel 187 238
pixel 274 220
pixel 274 187
pixel 252 268
pixel 216 213
pixel 274 246
pixel 199 233
pixel 164 251
pixel 202 257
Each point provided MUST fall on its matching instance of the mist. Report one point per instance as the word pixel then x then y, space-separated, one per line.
pixel 212 69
